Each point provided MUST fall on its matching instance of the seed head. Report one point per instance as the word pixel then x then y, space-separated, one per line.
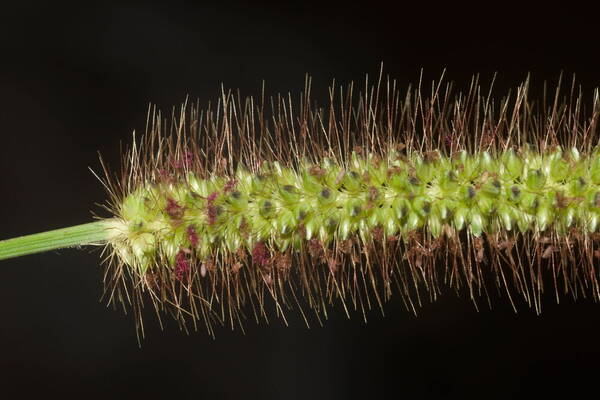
pixel 242 205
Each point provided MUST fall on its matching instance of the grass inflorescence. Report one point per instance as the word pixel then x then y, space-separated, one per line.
pixel 222 210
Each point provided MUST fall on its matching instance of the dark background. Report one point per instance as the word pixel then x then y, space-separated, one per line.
pixel 77 79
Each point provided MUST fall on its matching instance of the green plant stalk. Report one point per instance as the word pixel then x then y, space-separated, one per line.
pixel 225 209
pixel 93 233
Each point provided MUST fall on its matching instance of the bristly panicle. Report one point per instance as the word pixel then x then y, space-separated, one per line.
pixel 223 210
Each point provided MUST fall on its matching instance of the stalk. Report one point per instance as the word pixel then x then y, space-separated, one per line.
pixel 92 233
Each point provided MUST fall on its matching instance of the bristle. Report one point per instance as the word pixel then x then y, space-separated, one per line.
pixel 243 204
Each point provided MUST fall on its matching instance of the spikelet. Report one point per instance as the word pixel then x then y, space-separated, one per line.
pixel 249 203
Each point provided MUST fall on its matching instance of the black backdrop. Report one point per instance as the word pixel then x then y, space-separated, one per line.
pixel 77 79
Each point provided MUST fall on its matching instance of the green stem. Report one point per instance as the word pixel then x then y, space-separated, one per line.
pixel 85 234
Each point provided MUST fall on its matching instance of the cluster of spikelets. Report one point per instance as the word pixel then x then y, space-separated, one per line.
pixel 237 206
